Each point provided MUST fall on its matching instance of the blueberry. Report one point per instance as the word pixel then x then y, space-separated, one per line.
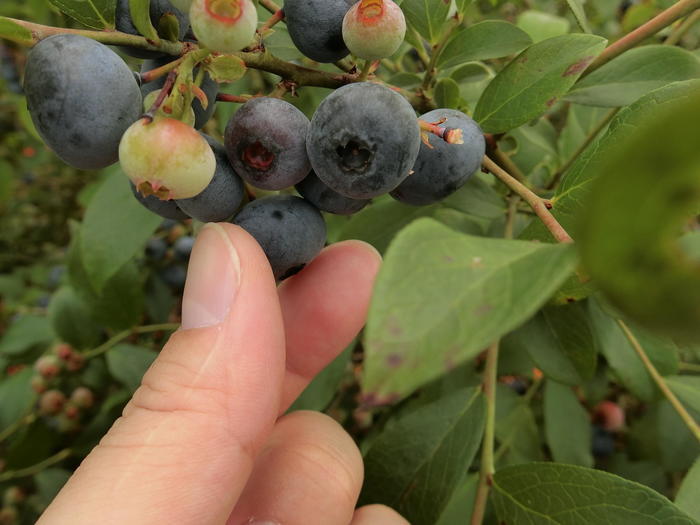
pixel 374 29
pixel 209 86
pixel 443 168
pixel 326 199
pixel 156 248
pixel 364 140
pixel 183 248
pixel 603 443
pixel 224 195
pixel 290 231
pixel 174 276
pixel 166 209
pixel 56 274
pixel 316 27
pixel 224 26
pixel 158 9
pixel 266 143
pixel 82 97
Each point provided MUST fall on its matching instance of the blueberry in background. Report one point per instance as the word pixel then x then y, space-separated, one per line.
pixel 316 27
pixel 290 231
pixel 266 143
pixel 166 209
pixel 327 199
pixel 364 140
pixel 443 168
pixel 158 9
pixel 183 248
pixel 156 249
pixel 174 276
pixel 82 97
pixel 209 86
pixel 603 442
pixel 222 197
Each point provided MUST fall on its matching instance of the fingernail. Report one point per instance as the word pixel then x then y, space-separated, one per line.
pixel 253 521
pixel 213 277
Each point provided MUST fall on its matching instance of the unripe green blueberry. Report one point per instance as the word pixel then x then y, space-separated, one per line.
pixel 82 397
pixel 51 402
pixel 225 26
pixel 166 158
pixel 374 29
pixel 188 117
pixel 182 5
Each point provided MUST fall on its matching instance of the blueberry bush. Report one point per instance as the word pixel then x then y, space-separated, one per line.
pixel 529 169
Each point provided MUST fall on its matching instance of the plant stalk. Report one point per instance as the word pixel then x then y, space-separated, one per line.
pixel 538 205
pixel 659 380
pixel 109 344
pixel 682 29
pixel 35 469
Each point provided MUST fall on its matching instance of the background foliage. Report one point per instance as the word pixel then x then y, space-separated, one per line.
pixel 90 281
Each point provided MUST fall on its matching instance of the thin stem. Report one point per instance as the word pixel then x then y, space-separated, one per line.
pixel 422 55
pixel 165 327
pixel 660 382
pixel 682 29
pixel 650 28
pixel 270 5
pixel 538 205
pixel 35 469
pixel 238 99
pixel 162 95
pixel 276 17
pixel 503 159
pixel 449 135
pixel 689 367
pixel 584 145
pixel 431 69
pixel 487 462
pixel 14 427
pixel 153 74
pixel 366 68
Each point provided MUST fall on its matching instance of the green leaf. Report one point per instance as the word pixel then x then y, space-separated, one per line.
pixel 427 17
pixel 49 482
pixel 576 7
pixel 324 387
pixel 17 397
pixel 477 198
pixel 560 341
pixel 483 41
pixel 687 497
pixel 116 228
pixel 225 68
pixel 128 363
pixel 25 333
pixel 98 14
pixel 10 30
pixel 687 388
pixel 622 358
pixel 442 297
pixel 416 463
pixel 634 257
pixel 462 5
pixel 566 426
pixel 533 81
pixel 139 10
pixel 72 319
pixel 634 74
pixel 541 26
pixel 379 222
pixel 568 201
pixel 547 493
pixel 446 93
pixel 516 429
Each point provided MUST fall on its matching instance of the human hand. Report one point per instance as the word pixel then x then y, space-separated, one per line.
pixel 200 442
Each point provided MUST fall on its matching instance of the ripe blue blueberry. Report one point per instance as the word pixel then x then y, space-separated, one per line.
pixel 156 248
pixel 82 97
pixel 209 86
pixel 326 199
pixel 222 197
pixel 364 140
pixel 182 248
pixel 443 168
pixel 158 9
pixel 166 209
pixel 290 231
pixel 316 27
pixel 266 143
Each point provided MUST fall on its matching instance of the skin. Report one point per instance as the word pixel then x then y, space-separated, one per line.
pixel 202 440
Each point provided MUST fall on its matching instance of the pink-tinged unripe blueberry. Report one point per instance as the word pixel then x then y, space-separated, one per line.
pixel 374 29
pixel 166 158
pixel 609 415
pixel 225 26
pixel 51 402
pixel 82 397
pixel 48 366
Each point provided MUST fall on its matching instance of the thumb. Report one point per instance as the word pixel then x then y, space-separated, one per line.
pixel 184 446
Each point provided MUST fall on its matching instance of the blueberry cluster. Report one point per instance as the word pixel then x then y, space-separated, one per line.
pixel 364 140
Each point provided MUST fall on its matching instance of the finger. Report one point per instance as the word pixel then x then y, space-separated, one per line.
pixel 377 515
pixel 310 472
pixel 324 307
pixel 185 445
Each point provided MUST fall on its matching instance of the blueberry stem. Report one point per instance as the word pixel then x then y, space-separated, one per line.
pixel 270 6
pixel 153 74
pixel 646 30
pixel 164 92
pixel 237 99
pixel 487 445
pixel 35 469
pixel 538 205
pixel 364 73
pixel 276 17
pixel 659 380
pixel 105 347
